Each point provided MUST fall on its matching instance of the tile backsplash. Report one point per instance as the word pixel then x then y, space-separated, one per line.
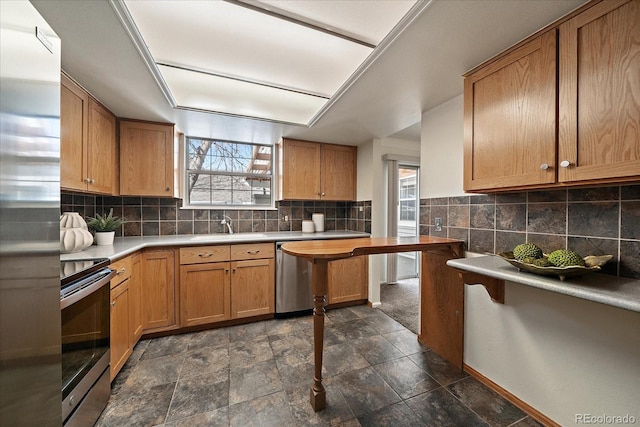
pixel 152 216
pixel 590 221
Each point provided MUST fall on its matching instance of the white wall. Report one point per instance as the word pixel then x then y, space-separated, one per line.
pixel 561 355
pixel 441 150
pixel 372 185
pixel 365 169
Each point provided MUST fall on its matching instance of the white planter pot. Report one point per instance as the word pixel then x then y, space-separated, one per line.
pixel 104 238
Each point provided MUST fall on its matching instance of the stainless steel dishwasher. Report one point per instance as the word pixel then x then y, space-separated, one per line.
pixel 293 284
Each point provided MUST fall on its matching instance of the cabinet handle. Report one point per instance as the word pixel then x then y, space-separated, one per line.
pixel 226 270
pixel 113 303
pixel 121 271
pixel 322 194
pixel 205 255
pixel 565 163
pixel 544 166
pixel 253 252
pixel 233 270
pixel 167 189
pixel 87 180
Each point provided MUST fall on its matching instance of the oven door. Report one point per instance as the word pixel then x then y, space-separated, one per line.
pixel 85 336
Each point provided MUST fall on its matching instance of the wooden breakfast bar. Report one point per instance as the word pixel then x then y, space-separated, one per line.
pixel 440 285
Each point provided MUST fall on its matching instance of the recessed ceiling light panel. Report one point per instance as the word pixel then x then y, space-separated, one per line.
pixel 232 40
pixel 207 92
pixel 278 61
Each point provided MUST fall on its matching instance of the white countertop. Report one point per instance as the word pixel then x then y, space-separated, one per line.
pixel 123 246
pixel 610 290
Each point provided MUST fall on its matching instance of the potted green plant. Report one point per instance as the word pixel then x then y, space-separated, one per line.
pixel 105 227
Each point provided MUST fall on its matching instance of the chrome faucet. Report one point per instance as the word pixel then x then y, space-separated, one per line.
pixel 227 221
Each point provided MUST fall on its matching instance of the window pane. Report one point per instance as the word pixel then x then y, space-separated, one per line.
pixel 228 173
pixel 408 210
pixel 222 156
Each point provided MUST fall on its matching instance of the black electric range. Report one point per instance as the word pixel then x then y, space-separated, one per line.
pixel 73 270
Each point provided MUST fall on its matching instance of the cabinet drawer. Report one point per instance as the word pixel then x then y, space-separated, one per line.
pixel 252 251
pixel 123 271
pixel 203 254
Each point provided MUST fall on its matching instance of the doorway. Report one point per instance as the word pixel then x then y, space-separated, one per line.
pixel 408 214
pixel 402 217
pixel 400 294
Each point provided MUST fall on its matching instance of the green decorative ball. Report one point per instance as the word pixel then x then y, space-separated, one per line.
pixel 527 250
pixel 565 258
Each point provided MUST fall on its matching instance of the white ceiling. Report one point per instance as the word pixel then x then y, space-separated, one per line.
pixel 420 69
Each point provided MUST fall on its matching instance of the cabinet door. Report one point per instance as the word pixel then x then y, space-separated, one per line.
pixel 599 133
pixel 252 288
pixel 348 280
pixel 158 287
pixel 101 151
pixel 510 119
pixel 338 174
pixel 300 170
pixel 120 346
pixel 135 292
pixel 74 110
pixel 146 159
pixel 205 295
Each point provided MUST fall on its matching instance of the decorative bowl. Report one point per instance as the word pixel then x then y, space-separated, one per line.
pixel 592 263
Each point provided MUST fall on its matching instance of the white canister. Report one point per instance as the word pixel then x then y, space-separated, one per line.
pixel 318 221
pixel 307 226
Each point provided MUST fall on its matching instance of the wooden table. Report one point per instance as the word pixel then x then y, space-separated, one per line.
pixel 320 252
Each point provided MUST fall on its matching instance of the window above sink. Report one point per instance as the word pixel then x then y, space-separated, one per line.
pixel 228 174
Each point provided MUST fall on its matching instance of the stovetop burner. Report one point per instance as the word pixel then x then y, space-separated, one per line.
pixel 73 270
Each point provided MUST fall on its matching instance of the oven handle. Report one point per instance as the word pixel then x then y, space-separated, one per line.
pixel 77 296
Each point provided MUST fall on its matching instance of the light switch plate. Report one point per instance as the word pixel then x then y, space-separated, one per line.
pixel 438 224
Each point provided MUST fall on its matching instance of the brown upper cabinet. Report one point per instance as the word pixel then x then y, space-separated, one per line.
pixel 599 133
pixel 87 142
pixel 526 128
pixel 316 171
pixel 146 159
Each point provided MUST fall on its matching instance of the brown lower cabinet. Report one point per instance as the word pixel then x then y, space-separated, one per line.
pixel 135 291
pixel 205 293
pixel 158 289
pixel 252 288
pixel 121 345
pixel 226 282
pixel 348 280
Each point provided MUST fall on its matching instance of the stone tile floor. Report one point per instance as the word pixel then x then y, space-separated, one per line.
pixel 375 373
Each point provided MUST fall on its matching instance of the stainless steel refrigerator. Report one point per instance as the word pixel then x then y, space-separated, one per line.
pixel 30 367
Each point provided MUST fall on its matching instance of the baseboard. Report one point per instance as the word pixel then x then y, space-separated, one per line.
pixel 530 410
pixel 345 304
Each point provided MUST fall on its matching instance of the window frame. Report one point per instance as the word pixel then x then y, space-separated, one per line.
pixel 186 199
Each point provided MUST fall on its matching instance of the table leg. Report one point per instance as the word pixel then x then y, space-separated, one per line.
pixel 319 288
